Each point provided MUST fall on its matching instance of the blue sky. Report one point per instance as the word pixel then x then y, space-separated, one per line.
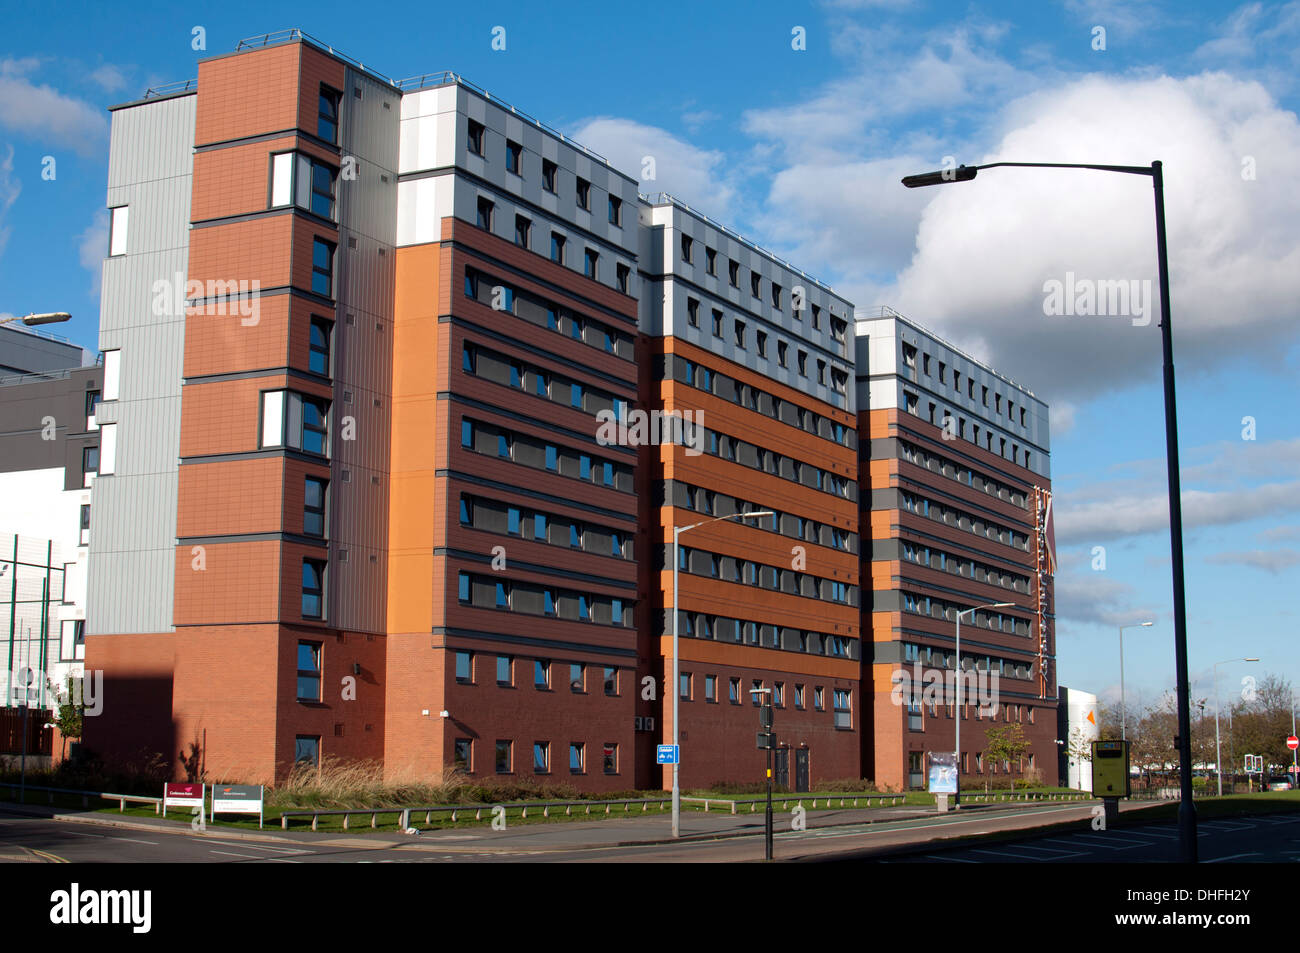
pixel 802 151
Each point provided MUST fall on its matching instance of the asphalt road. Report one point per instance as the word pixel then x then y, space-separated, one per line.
pixel 83 842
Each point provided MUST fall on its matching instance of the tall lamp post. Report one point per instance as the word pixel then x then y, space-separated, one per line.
pixel 1218 762
pixel 1123 699
pixel 676 689
pixel 48 317
pixel 956 800
pixel 1186 809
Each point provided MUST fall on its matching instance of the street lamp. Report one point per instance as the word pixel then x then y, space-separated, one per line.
pixel 1218 763
pixel 1123 710
pixel 956 800
pixel 48 317
pixel 676 689
pixel 1186 809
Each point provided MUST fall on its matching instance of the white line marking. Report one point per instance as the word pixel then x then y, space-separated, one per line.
pixel 1219 860
pixel 278 850
pixel 954 860
pixel 998 853
pixel 227 853
pixel 136 840
pixel 79 834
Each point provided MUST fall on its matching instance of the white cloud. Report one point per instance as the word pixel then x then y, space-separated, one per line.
pixel 698 177
pixel 1123 17
pixel 109 77
pixel 1269 560
pixel 9 189
pixel 45 116
pixel 92 245
pixel 1281 534
pixel 1060 418
pixel 985 248
pixel 1119 516
pixel 1096 598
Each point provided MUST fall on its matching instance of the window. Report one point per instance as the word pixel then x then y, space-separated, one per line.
pixel 710 688
pixel 322 190
pixel 117 230
pixel 85 524
pixel 761 338
pixel 462 755
pixel 548 175
pixel 803 363
pixel 315 429
pixel 557 248
pixel 733 272
pixel 782 353
pixel 327 118
pixel 505 670
pixel 616 211
pixel 755 284
pixel 112 373
pixel 318 358
pixel 843 709
pixel 313 506
pixel 778 694
pixel 611 681
pixel 622 273
pixel 523 229
pixel 584 194
pixel 485 210
pixel 322 268
pixel 819 698
pixel 591 264
pixel 514 151
pixel 684 687
pixel 611 757
pixel 108 448
pixel 816 317
pixel 313 589
pixel 505 753
pixel 776 296
pixel 755 692
pixel 475 142
pixel 464 587
pixel 739 327
pixel 717 323
pixel 541 757
pixel 693 312
pixel 542 675
pixel 687 246
pixel 577 757
pixel 798 696
pixel 282 179
pixel 465 668
pixel 733 691
pixel 306 750
pixel 577 677
pixel 309 672
pixel 925 364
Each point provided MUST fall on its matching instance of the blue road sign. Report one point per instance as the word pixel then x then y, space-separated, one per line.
pixel 668 754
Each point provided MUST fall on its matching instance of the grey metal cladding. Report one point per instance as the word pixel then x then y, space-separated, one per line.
pixel 132 551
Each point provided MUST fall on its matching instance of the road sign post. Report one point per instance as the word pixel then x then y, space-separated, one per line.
pixel 668 754
pixel 766 740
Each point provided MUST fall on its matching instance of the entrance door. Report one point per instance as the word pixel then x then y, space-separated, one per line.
pixel 781 768
pixel 801 769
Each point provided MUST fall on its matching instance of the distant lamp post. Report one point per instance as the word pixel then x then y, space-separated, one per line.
pixel 676 687
pixel 1218 763
pixel 48 317
pixel 956 798
pixel 1123 700
pixel 1155 171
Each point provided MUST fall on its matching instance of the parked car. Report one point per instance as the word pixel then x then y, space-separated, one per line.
pixel 1279 783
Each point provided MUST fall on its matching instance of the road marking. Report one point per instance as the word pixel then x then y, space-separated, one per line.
pixel 1219 860
pixel 79 834
pixel 136 840
pixel 227 853
pixel 277 850
pixel 1050 850
pixel 954 860
pixel 53 858
pixel 1147 832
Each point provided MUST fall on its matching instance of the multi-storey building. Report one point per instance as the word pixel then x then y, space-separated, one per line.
pixel 954 488
pixel 50 453
pixel 384 487
pixel 755 355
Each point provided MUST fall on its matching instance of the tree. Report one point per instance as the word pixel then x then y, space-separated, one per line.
pixel 71 714
pixel 1006 743
pixel 1079 751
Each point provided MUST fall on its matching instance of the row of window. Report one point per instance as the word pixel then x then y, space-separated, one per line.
pixel 961 566
pixel 957 425
pixel 526 523
pixel 532 452
pixel 838 326
pixel 712 503
pixel 938 658
pixel 467 663
pixel 730 448
pixel 760 401
pixel 486 592
pixel 909 360
pixel 962 474
pixel 500 296
pixel 839 379
pixel 942 609
pixel 1011 714
pixel 539 382
pixel 967 522
pixel 842 701
pixel 463 756
pixel 700 625
pixel 700 562
pixel 591 267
